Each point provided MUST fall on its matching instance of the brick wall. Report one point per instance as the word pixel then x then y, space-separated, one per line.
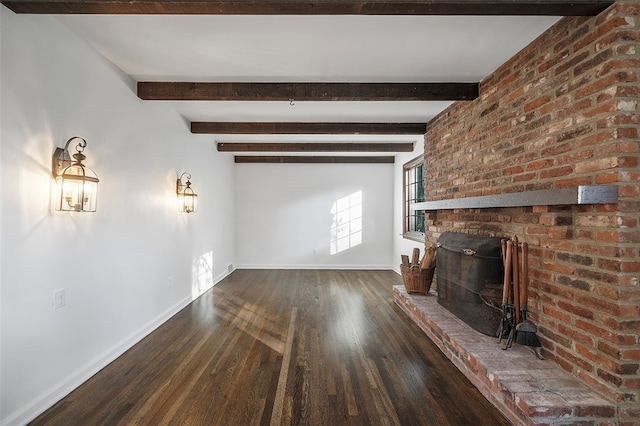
pixel 563 112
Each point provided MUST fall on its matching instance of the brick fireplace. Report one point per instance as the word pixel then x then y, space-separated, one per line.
pixel 561 113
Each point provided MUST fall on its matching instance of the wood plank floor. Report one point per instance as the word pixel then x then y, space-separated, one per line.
pixel 275 347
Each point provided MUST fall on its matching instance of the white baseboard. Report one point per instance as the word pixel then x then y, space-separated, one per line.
pixel 40 404
pixel 335 267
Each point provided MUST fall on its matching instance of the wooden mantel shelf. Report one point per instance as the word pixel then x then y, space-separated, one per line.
pixel 591 194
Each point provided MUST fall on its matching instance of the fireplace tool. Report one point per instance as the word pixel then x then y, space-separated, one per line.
pixel 525 330
pixel 512 246
pixel 507 322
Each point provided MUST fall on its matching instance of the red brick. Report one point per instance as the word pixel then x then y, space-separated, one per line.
pixel 631 8
pixel 626 133
pixel 628 191
pixel 536 103
pixel 621 324
pixel 597 276
pixel 613 265
pixel 589 38
pixel 558 244
pixel 575 108
pixel 632 237
pixel 560 103
pixel 628 49
pixel 511 96
pixel 610 350
pixel 604 83
pixel 599 164
pixel 576 310
pixel 575 360
pixel 616 37
pixel 597 303
pixel 608 149
pixel 564 183
pixel 560 362
pixel 555 290
pixel 556 172
pixel 629 294
pixel 631 384
pixel 594 139
pixel 576 335
pixel 592 62
pixel 575 156
pixel 607 236
pixel 618 64
pixel 556 313
pixel 611 378
pixel 605 23
pixel 629 354
pixel 628 91
pixel 600 221
pixel 607 177
pixel 609 293
pixel 628 280
pixel 584 234
pixel 569 62
pixel 524 177
pixel 596 330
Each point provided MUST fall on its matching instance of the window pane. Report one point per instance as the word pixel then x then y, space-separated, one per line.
pixel 414 192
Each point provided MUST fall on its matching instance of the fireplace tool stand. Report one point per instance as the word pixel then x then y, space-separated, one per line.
pixel 514 323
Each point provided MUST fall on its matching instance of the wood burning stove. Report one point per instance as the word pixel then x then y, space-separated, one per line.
pixel 470 275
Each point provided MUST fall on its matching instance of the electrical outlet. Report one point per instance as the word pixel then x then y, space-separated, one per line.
pixel 59 298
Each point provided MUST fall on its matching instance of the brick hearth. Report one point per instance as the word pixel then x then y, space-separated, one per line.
pixel 528 391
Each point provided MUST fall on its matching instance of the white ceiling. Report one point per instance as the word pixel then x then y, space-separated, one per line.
pixel 353 48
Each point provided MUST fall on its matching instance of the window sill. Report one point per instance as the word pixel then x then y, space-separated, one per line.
pixel 415 236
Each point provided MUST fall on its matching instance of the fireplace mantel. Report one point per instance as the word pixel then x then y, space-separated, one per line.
pixel 584 194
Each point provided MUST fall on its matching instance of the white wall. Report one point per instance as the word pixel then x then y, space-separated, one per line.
pixel 402 245
pixel 284 215
pixel 135 262
pixel 125 268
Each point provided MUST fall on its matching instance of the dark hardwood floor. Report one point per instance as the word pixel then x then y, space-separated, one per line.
pixel 277 347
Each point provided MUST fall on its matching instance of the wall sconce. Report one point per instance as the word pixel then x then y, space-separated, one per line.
pixel 187 199
pixel 76 186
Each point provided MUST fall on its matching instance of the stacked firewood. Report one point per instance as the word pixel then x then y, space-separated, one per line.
pixel 417 275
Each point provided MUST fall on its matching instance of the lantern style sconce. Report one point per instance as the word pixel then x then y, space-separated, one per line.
pixel 76 186
pixel 187 199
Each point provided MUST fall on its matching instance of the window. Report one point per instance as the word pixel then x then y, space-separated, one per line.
pixel 413 192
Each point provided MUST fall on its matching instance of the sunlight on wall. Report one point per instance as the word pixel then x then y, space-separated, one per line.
pixel 201 274
pixel 346 226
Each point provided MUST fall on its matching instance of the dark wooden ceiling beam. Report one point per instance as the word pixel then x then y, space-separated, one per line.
pixel 313 159
pixel 313 7
pixel 314 147
pixel 195 91
pixel 285 128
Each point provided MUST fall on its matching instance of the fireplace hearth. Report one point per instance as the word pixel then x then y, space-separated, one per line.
pixel 470 277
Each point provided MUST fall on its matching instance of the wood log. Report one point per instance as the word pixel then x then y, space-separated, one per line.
pixel 415 259
pixel 429 259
